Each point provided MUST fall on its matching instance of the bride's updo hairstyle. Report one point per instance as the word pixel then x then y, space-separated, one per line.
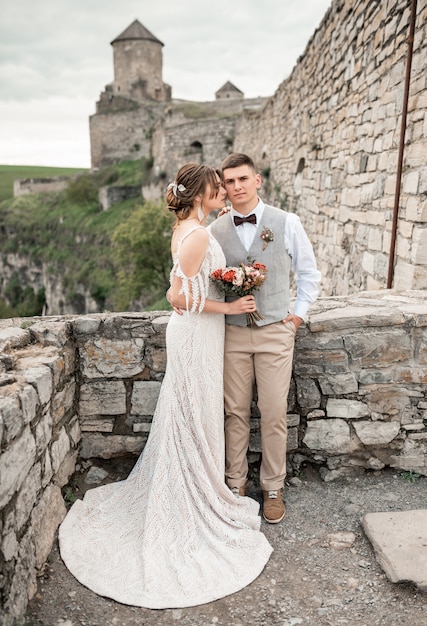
pixel 191 181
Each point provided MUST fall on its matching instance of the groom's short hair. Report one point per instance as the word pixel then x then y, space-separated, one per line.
pixel 236 160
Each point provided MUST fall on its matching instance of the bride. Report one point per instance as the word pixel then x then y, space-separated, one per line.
pixel 173 534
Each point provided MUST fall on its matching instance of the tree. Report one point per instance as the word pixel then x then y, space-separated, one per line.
pixel 142 255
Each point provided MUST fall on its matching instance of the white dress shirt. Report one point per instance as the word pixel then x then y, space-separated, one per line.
pixel 298 247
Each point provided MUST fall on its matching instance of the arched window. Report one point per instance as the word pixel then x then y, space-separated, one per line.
pixel 298 182
pixel 301 165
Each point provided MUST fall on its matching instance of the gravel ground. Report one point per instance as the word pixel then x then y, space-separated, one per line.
pixel 310 578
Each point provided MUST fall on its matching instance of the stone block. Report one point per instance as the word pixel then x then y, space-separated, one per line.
pixel 47 470
pixel 43 433
pixel 375 239
pixel 63 401
pixel 86 325
pixel 338 384
pixel 332 436
pixel 374 376
pixel 379 349
pixel 45 519
pixel 292 439
pixel 356 317
pixel 50 333
pixel 420 277
pixel 41 379
pixel 27 496
pixel 29 400
pixel 11 413
pixel 419 246
pixel 103 398
pixel 313 362
pixel 15 463
pixel 13 337
pixel 160 323
pixel 410 182
pixel 376 433
pixel 97 445
pixel 66 469
pixel 346 409
pixel 9 544
pixel 47 357
pixel 106 358
pixel 100 425
pixel 141 427
pixel 144 397
pixel 59 449
pixel 422 348
pixel 387 399
pixel 158 360
pixel 411 375
pixel 23 582
pixel 74 430
pixel 399 539
pixel 412 456
pixel 416 208
pixel 308 393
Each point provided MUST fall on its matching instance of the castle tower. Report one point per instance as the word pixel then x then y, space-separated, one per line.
pixel 138 65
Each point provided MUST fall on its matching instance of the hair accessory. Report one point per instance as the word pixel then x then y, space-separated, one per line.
pixel 176 188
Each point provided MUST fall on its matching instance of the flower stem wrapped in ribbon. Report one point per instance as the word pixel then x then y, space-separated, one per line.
pixel 241 281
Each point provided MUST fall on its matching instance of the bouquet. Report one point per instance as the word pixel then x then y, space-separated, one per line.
pixel 241 281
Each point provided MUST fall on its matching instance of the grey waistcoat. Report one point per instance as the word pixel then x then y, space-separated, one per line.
pixel 272 299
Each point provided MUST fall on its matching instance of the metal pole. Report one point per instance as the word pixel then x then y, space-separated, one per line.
pixel 401 144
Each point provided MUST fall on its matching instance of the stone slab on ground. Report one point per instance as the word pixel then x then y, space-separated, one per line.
pixel 399 540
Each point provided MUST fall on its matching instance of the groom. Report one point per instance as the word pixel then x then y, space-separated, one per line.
pixel 262 353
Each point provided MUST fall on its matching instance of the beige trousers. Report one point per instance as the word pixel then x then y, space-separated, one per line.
pixel 261 355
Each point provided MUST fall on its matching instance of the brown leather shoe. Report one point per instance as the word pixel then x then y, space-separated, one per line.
pixel 238 491
pixel 274 508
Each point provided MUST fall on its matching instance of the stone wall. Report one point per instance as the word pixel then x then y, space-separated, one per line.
pixel 329 140
pixel 110 195
pixel 25 186
pixel 88 386
pixel 202 132
pixel 122 135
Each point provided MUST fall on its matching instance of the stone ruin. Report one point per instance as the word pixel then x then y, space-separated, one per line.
pixel 85 387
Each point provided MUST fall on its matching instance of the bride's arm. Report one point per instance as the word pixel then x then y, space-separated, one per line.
pixel 187 290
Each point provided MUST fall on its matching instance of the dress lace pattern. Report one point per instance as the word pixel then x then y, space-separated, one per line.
pixel 172 534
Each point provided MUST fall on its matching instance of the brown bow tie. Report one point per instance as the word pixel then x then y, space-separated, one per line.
pixel 241 220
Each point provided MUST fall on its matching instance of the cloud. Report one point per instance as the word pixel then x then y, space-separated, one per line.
pixel 58 51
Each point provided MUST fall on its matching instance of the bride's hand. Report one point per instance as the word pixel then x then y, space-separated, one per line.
pixel 246 304
pixel 224 211
pixel 174 307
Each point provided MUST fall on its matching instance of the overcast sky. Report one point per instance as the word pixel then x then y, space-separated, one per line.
pixel 56 58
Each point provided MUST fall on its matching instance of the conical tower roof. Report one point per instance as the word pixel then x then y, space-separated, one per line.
pixel 136 31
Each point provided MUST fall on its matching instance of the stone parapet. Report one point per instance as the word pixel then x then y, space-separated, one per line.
pixel 84 387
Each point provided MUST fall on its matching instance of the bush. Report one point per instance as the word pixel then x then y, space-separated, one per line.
pixel 83 190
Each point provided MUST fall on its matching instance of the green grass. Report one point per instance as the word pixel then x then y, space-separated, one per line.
pixel 9 173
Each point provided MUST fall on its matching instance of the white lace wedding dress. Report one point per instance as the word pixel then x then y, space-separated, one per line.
pixel 172 534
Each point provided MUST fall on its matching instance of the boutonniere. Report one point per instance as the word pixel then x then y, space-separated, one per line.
pixel 267 235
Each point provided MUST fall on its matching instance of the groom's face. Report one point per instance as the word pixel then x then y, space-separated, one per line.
pixel 242 184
